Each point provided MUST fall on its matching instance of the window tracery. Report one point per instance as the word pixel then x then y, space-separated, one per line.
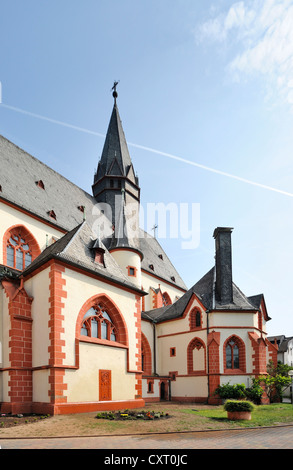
pixel 18 252
pixel 97 323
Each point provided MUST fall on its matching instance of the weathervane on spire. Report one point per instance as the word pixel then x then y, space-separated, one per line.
pixel 115 94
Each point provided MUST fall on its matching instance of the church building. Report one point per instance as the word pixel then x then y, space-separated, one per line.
pixel 93 314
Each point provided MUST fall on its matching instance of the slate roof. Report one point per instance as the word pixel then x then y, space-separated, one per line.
pixel 282 342
pixel 155 256
pixel 204 290
pixel 20 173
pixel 77 248
pixel 115 159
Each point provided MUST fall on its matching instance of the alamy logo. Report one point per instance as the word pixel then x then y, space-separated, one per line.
pixel 181 221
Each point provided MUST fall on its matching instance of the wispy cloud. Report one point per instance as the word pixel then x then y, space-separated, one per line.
pixel 260 36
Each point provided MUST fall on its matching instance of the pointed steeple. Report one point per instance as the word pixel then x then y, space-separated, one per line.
pixel 115 172
pixel 115 159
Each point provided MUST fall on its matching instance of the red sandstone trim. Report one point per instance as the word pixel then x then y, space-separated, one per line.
pixel 138 376
pixel 56 329
pixel 214 365
pixel 20 356
pixel 70 408
pixel 195 343
pixel 147 355
pixel 259 357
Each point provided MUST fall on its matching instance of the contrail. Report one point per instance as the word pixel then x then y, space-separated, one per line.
pixel 54 121
pixel 149 149
pixel 213 170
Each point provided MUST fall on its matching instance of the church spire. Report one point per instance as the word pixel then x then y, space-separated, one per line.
pixel 115 159
pixel 115 172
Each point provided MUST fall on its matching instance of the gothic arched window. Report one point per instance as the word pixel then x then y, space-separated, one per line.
pixel 97 323
pixel 21 248
pixel 195 319
pixel 232 354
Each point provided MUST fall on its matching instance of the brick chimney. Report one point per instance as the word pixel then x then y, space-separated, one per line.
pixel 224 288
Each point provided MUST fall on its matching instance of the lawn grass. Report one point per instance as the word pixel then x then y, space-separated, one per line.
pixel 263 415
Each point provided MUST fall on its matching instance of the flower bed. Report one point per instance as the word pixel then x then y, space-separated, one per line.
pixel 132 414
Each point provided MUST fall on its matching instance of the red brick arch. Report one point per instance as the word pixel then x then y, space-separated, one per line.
pixel 195 343
pixel 147 355
pixel 114 313
pixel 26 235
pixel 166 299
pixel 195 319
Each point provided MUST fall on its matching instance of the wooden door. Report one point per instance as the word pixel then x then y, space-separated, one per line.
pixel 105 385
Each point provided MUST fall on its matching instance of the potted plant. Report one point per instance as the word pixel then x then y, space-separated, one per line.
pixel 239 409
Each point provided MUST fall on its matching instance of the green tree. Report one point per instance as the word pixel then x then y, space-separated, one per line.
pixel 276 380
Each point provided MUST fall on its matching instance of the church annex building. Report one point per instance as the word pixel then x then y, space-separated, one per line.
pixel 93 315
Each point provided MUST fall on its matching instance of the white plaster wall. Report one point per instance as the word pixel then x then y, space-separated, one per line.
pixel 79 289
pixel 126 258
pixel 232 319
pixel 236 379
pixel 83 384
pixel 165 362
pixel 5 331
pixel 148 281
pixel 10 217
pixel 4 345
pixel 288 355
pixel 189 387
pixel 41 385
pixel 156 389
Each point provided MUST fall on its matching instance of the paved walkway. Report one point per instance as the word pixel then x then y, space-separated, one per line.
pixel 279 437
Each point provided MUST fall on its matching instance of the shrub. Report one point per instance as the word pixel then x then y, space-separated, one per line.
pixel 238 405
pixel 254 393
pixel 231 391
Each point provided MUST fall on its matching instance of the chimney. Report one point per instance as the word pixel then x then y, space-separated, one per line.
pixel 224 288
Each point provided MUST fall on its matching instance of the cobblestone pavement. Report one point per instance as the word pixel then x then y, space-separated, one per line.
pixel 279 437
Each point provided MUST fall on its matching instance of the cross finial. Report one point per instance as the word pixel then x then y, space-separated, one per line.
pixel 115 94
pixel 154 229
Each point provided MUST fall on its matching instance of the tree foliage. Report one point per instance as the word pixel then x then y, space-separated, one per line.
pixel 274 383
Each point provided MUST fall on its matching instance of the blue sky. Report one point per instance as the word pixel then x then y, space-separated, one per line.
pixel 206 101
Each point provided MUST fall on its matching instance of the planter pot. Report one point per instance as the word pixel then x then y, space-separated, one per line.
pixel 234 415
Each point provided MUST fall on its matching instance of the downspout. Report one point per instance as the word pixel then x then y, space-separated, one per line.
pixel 155 349
pixel 208 362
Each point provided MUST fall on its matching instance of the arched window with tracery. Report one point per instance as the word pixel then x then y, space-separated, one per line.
pixel 100 321
pixel 234 354
pixel 97 323
pixel 19 248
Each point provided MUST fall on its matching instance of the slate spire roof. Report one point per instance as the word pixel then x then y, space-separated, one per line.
pixel 115 159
